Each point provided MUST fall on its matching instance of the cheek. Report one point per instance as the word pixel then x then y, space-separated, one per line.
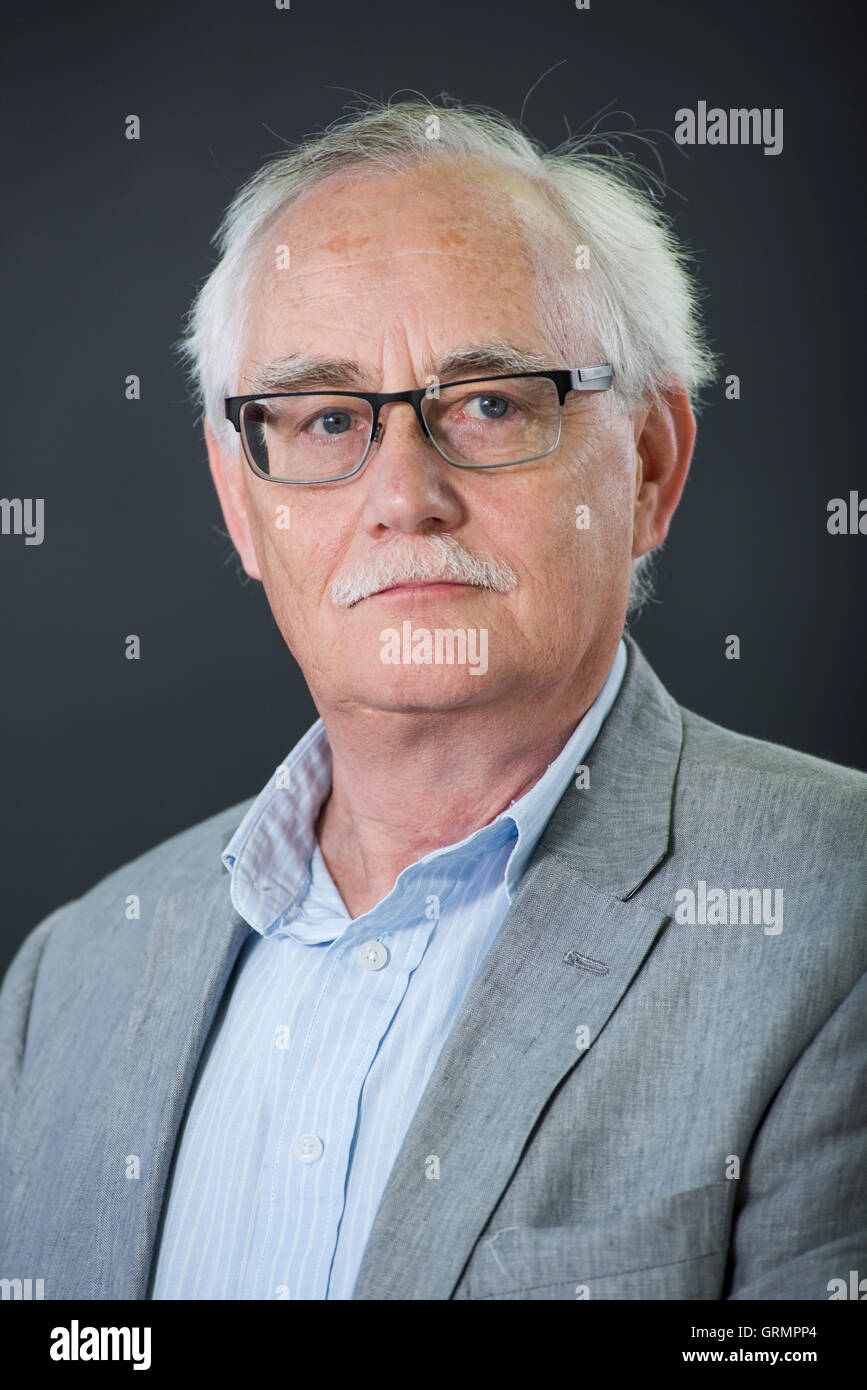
pixel 272 529
pixel 591 509
pixel 603 493
pixel 300 549
pixel 617 510
pixel 583 539
pixel 274 533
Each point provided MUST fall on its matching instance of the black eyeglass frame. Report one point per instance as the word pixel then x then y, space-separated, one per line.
pixel 566 379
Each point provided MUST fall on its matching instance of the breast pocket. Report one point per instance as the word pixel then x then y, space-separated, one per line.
pixel 673 1247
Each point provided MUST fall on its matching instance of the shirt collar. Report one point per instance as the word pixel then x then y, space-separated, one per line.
pixel 269 856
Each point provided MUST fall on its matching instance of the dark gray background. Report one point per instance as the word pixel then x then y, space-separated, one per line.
pixel 105 241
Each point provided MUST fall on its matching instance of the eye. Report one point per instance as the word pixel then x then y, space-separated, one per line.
pixel 332 422
pixel 487 406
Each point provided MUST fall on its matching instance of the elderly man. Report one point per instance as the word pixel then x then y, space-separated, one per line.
pixel 517 980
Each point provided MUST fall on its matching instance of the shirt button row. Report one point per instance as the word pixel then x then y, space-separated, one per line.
pixel 308 1148
pixel 373 955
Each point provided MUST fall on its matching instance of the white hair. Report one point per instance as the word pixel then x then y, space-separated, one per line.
pixel 642 304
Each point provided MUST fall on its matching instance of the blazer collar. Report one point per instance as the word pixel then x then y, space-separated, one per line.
pixel 615 832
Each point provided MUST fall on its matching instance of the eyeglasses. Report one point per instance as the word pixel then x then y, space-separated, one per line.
pixel 487 422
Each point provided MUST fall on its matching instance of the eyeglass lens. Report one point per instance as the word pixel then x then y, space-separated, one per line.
pixel 316 438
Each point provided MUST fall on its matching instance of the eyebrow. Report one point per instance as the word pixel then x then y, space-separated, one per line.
pixel 494 357
pixel 309 372
pixel 305 371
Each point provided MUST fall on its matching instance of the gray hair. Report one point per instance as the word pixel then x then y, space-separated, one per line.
pixel 642 303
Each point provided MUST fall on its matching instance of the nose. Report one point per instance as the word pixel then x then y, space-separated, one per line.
pixel 410 486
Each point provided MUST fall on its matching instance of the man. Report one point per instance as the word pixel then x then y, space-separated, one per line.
pixel 517 981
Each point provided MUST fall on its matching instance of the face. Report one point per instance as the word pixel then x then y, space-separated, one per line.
pixel 394 272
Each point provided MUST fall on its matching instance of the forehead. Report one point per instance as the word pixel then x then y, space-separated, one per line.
pixel 438 244
pixel 465 202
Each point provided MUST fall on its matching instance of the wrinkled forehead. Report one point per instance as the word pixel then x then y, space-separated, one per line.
pixel 395 234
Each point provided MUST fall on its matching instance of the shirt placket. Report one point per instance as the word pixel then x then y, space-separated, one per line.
pixel 313 1123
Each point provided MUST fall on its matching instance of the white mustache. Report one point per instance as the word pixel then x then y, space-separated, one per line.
pixel 427 558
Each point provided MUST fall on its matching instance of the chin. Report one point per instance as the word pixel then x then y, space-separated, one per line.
pixel 430 691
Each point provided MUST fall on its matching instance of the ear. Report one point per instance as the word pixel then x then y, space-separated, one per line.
pixel 664 439
pixel 227 471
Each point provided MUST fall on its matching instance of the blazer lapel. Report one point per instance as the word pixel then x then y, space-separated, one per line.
pixel 565 955
pixel 194 941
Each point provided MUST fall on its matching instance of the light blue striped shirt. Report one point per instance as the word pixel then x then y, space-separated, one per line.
pixel 328 1033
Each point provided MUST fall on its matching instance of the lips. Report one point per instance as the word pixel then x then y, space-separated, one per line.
pixel 420 584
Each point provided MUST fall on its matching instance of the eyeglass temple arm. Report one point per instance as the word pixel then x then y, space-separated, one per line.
pixel 592 378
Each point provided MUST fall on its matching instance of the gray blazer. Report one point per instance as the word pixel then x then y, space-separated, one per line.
pixel 629 1105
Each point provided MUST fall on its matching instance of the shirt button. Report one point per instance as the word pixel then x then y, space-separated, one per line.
pixel 308 1148
pixel 373 955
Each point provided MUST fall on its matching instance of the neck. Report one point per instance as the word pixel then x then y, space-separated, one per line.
pixel 404 784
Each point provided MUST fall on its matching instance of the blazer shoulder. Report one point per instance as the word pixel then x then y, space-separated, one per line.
pixel 766 788
pixel 83 958
pixel 715 747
